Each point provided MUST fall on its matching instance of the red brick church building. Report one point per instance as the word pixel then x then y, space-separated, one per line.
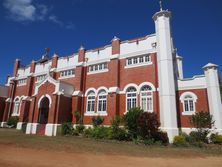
pixel 144 72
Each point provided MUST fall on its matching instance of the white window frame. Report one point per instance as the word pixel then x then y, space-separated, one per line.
pixel 40 78
pixel 91 97
pixel 138 61
pixel 131 98
pixel 148 96
pixel 22 82
pixel 97 68
pixel 188 96
pixel 67 73
pixel 17 106
pixel 102 97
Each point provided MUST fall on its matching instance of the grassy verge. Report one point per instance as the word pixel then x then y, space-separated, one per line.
pixel 16 138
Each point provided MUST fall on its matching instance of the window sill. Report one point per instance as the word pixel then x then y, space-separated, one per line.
pixel 188 113
pixel 138 65
pixel 95 114
pixel 96 72
pixel 15 115
pixel 71 76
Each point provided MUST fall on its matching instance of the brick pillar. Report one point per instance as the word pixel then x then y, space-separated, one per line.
pixel 113 109
pixel 76 106
pixel 6 110
pixel 54 65
pixel 16 67
pixel 33 111
pixel 115 46
pixel 53 109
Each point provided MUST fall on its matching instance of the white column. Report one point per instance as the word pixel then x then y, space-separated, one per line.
pixel 213 93
pixel 166 76
pixel 180 66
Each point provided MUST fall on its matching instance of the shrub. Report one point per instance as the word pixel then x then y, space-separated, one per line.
pixel 115 122
pixel 12 121
pixel 118 134
pixel 216 138
pixel 196 137
pixel 77 116
pixel 149 141
pixel 130 121
pixel 80 128
pixel 88 132
pixel 67 128
pixel 148 125
pixel 179 140
pixel 97 121
pixel 100 132
pixel 202 121
pixel 161 137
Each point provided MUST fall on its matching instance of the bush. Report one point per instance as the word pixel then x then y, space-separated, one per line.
pixel 161 137
pixel 216 138
pixel 97 121
pixel 100 132
pixel 179 140
pixel 12 121
pixel 148 125
pixel 67 128
pixel 198 137
pixel 130 121
pixel 80 128
pixel 88 132
pixel 77 116
pixel 202 121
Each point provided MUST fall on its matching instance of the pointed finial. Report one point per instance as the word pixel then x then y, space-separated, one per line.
pixel 161 5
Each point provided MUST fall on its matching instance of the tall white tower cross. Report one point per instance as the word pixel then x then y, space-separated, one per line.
pixel 166 77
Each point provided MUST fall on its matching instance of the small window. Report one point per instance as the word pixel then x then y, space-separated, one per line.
pixel 67 73
pixel 91 102
pixel 188 99
pixel 131 98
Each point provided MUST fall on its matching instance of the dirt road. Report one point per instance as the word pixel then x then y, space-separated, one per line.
pixel 11 156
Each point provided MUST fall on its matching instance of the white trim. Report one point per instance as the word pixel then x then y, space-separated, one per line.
pixel 70 76
pixel 95 114
pixel 77 93
pixel 183 95
pixel 138 53
pixel 51 129
pixel 102 88
pixel 130 85
pixel 113 90
pixel 138 65
pixel 194 96
pixel 147 83
pixel 40 99
pixel 19 125
pixel 90 89
pixel 96 72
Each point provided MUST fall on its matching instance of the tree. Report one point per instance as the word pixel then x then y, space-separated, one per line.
pixel 202 121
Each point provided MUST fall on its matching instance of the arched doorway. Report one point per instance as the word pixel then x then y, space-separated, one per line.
pixel 44 111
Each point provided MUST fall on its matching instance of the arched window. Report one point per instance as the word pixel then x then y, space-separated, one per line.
pixel 188 104
pixel 188 99
pixel 131 98
pixel 146 98
pixel 16 110
pixel 102 102
pixel 91 101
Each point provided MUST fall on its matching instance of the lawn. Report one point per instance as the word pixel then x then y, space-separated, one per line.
pixel 75 144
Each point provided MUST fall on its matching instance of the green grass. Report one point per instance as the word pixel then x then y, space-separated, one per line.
pixel 16 138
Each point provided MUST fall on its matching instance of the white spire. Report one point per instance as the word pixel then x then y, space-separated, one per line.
pixel 161 5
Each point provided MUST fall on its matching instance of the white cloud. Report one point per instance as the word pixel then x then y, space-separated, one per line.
pixel 25 10
pixel 55 19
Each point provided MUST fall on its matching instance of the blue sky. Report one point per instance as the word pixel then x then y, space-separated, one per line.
pixel 29 26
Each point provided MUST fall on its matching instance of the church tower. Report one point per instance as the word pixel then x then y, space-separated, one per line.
pixel 166 75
